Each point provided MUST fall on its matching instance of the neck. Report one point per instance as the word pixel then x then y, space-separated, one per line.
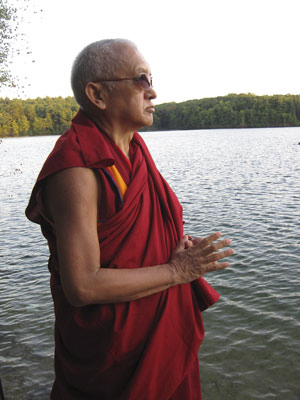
pixel 120 137
pixel 122 141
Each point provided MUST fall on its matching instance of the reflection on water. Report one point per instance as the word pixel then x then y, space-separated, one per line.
pixel 242 182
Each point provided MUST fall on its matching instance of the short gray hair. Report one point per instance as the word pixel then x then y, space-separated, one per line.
pixel 98 60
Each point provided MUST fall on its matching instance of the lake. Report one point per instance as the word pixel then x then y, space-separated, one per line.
pixel 244 182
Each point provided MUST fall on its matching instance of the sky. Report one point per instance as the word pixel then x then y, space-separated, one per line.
pixel 195 48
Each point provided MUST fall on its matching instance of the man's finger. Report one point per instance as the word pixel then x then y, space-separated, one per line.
pixel 208 240
pixel 218 256
pixel 215 266
pixel 216 246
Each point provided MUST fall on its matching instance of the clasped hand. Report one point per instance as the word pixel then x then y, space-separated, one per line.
pixel 193 258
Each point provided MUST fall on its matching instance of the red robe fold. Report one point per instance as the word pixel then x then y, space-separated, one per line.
pixel 144 349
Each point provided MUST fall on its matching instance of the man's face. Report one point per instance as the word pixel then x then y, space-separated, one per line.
pixel 129 105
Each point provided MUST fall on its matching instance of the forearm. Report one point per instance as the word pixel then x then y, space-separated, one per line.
pixel 110 285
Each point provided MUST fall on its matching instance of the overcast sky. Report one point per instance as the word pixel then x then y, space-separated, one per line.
pixel 196 48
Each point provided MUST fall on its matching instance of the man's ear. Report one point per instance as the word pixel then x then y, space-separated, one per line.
pixel 96 94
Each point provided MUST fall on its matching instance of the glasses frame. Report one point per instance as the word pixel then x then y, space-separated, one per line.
pixel 147 78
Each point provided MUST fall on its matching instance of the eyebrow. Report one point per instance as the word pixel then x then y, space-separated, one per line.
pixel 143 71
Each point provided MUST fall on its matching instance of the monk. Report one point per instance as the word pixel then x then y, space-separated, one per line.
pixel 127 284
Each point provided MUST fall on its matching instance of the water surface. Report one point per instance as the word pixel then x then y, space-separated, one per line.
pixel 242 182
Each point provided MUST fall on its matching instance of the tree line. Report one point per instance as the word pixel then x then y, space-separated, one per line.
pixel 52 115
pixel 231 111
pixel 41 116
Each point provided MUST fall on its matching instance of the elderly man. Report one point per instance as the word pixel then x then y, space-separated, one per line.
pixel 126 283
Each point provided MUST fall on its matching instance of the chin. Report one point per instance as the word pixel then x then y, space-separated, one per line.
pixel 148 121
pixel 145 121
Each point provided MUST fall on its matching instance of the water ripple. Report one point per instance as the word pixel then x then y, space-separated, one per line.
pixel 242 182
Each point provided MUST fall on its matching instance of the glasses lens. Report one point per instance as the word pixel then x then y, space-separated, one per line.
pixel 145 81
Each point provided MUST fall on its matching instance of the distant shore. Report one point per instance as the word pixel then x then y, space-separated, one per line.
pixel 52 115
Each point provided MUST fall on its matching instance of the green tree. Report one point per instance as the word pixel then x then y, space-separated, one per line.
pixel 14 129
pixel 23 125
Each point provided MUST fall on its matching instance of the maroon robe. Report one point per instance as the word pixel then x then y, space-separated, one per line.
pixel 144 349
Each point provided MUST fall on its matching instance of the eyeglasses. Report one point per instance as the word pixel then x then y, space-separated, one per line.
pixel 144 80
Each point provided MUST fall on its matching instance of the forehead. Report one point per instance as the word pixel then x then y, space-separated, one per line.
pixel 132 61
